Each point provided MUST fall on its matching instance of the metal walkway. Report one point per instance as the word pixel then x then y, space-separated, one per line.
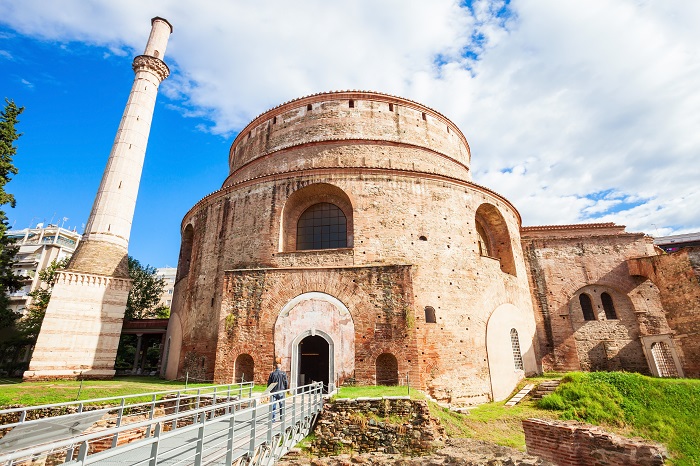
pixel 217 425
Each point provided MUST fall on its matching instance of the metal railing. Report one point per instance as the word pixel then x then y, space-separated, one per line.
pixel 117 411
pixel 225 431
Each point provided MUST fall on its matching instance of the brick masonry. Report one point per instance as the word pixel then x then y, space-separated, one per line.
pixel 566 262
pixel 402 177
pixel 420 235
pixel 677 276
pixel 568 443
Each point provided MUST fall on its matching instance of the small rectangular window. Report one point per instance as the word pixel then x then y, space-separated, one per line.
pixel 352 103
pixel 308 107
pixel 391 107
pixel 274 120
pixel 424 117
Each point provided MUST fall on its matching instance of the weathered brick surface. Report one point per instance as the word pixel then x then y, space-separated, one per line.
pixel 569 443
pixel 388 424
pixel 569 260
pixel 407 182
pixel 677 276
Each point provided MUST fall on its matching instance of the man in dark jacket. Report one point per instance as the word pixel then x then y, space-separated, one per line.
pixel 280 377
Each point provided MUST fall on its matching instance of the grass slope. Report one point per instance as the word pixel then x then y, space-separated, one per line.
pixel 663 410
pixel 59 391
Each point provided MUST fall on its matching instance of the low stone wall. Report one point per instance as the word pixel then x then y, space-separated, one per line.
pixel 387 424
pixel 570 443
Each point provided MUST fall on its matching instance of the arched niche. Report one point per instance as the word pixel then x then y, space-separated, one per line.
pixel 499 347
pixel 493 235
pixel 387 369
pixel 244 368
pixel 301 200
pixel 174 345
pixel 185 259
pixel 312 314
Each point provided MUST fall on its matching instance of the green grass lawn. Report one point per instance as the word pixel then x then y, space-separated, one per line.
pixel 663 410
pixel 14 392
pixel 377 391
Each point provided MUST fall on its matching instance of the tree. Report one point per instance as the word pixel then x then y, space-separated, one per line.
pixel 145 293
pixel 9 282
pixel 31 323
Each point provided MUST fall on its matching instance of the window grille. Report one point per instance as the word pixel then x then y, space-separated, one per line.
pixel 322 226
pixel 665 365
pixel 517 355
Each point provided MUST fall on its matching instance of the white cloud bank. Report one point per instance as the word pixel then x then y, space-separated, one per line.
pixel 576 111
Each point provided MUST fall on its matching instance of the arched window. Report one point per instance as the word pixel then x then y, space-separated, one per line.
pixel 322 226
pixel 430 315
pixel 517 355
pixel 387 369
pixel 586 306
pixel 244 368
pixel 663 359
pixel 494 239
pixel 484 246
pixel 608 306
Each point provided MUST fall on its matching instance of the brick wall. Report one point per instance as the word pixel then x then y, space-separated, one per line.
pixel 567 261
pixel 387 424
pixel 677 275
pixel 568 443
pixel 406 182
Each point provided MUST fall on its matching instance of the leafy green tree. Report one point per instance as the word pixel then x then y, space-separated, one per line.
pixel 9 282
pixel 31 323
pixel 145 293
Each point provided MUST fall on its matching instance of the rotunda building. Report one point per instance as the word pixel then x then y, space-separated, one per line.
pixel 349 242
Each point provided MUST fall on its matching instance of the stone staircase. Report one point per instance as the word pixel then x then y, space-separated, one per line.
pixel 545 388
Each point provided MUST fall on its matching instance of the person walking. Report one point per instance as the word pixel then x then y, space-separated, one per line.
pixel 280 377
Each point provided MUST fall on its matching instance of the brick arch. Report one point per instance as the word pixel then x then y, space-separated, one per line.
pixel 244 368
pixel 316 314
pixel 493 229
pixel 300 200
pixel 606 343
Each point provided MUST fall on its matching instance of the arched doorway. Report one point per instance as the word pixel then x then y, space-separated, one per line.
pixel 244 369
pixel 316 314
pixel 314 361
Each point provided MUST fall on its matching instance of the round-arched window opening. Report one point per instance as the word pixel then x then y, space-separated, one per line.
pixel 322 226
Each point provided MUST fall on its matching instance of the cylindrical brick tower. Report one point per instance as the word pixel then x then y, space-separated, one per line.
pixel 81 329
pixel 349 241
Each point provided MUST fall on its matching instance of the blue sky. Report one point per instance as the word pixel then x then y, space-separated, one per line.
pixel 575 111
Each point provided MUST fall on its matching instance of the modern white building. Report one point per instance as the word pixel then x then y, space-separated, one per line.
pixel 167 274
pixel 38 247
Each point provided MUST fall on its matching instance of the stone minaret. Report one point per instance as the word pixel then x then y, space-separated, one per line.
pixel 83 322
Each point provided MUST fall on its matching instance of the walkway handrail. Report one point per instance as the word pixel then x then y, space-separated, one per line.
pixel 121 401
pixel 226 410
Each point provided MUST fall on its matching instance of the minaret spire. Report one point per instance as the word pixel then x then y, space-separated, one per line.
pixel 81 329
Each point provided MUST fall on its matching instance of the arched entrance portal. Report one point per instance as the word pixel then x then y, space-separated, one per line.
pixel 324 317
pixel 314 361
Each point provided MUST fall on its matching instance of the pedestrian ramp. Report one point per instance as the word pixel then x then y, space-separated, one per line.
pixel 214 427
pixel 517 398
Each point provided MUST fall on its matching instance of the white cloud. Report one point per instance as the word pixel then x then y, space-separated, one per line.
pixel 566 99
